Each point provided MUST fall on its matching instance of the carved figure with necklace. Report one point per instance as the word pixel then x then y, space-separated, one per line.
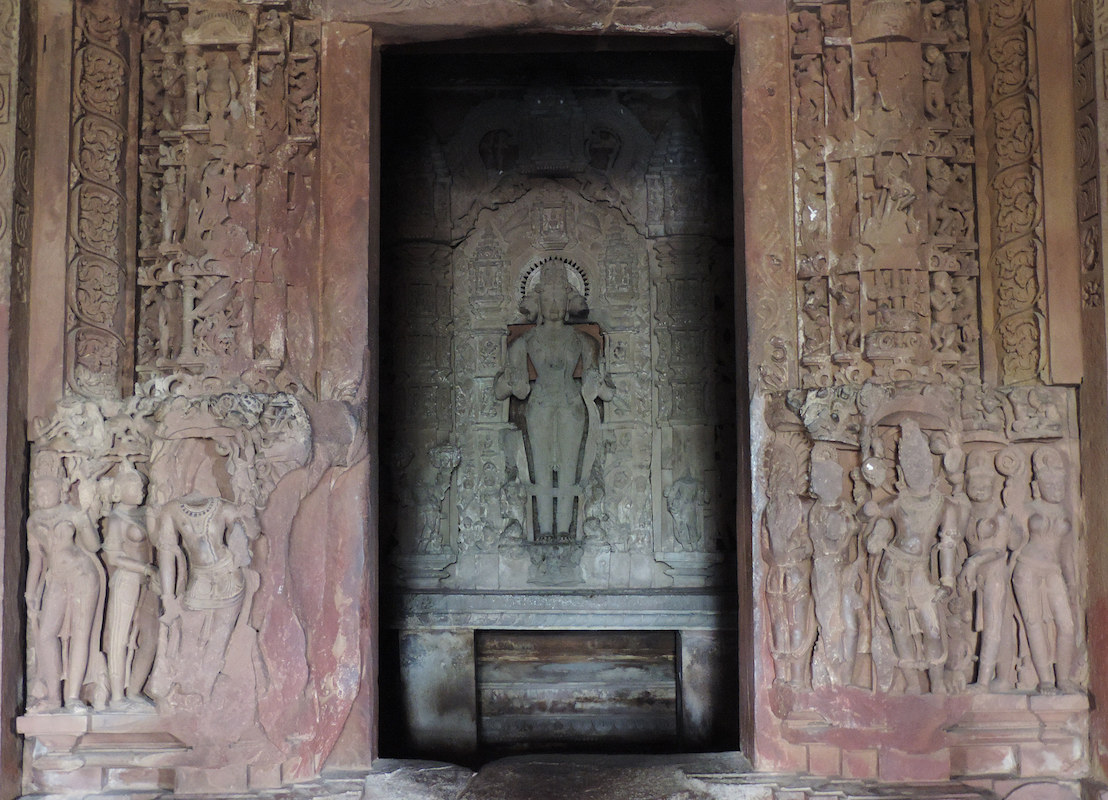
pixel 203 548
pixel 986 574
pixel 838 567
pixel 910 527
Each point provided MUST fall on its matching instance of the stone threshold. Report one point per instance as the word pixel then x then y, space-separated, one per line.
pixel 713 776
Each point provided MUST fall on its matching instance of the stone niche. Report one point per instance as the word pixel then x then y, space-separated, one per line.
pixel 558 400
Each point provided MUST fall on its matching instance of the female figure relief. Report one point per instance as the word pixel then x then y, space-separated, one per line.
pixel 558 407
pixel 131 624
pixel 64 597
pixel 1045 575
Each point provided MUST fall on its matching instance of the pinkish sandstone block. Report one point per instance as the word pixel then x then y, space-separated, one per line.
pixel 896 765
pixel 859 763
pixel 193 780
pixel 824 760
pixel 1056 759
pixel 983 760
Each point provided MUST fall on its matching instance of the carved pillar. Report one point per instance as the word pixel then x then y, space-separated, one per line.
pixel 16 122
pixel 348 319
pixel 1091 101
pixel 1012 181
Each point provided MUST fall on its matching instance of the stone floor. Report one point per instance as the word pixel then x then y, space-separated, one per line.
pixel 720 776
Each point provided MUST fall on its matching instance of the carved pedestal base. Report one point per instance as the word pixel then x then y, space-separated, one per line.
pixel 423 571
pixel 693 569
pixel 90 752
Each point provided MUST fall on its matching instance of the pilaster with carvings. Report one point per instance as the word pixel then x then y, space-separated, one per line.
pixel 228 206
pixel 97 346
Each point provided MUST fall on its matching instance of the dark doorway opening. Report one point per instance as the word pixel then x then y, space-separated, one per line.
pixel 608 160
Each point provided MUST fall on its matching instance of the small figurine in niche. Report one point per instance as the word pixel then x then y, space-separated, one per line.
pixel 131 624
pixel 903 537
pixel 558 409
pixel 684 499
pixel 838 566
pixel 1045 575
pixel 787 551
pixel 65 596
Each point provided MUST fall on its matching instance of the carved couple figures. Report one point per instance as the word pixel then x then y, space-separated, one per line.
pixel 560 413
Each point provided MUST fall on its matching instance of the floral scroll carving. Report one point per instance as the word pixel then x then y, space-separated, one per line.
pixel 98 354
pixel 1015 185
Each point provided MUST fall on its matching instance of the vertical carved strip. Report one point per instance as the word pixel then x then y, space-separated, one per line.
pixel 1015 187
pixel 767 174
pixel 96 316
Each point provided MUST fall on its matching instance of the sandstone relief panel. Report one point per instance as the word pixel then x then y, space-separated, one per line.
pixel 886 243
pixel 918 527
pixel 171 642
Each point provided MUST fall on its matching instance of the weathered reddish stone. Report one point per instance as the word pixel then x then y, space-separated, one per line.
pixel 897 765
pixel 983 760
pixel 824 760
pixel 859 763
pixel 1065 758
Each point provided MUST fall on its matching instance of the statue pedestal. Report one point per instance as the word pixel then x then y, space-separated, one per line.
pixel 423 570
pixel 690 569
pixel 102 750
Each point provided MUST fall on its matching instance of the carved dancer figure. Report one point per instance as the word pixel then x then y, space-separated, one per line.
pixel 909 527
pixel 220 90
pixel 1045 575
pixel 64 598
pixel 428 495
pixel 558 408
pixel 131 623
pixel 787 551
pixel 986 575
pixel 203 548
pixel 838 565
pixel 683 500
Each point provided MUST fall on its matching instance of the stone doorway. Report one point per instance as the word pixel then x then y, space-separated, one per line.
pixel 558 501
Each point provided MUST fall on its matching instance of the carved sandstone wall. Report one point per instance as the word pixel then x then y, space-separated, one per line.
pixel 200 225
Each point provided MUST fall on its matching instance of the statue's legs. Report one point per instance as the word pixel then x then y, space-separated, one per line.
pixel 1028 583
pixel 995 614
pixel 541 433
pixel 1065 642
pixel 145 628
pixel 48 646
pixel 82 608
pixel 123 594
pixel 571 430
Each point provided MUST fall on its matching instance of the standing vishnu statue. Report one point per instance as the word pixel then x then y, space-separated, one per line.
pixel 560 411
